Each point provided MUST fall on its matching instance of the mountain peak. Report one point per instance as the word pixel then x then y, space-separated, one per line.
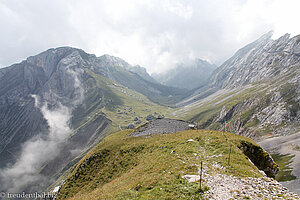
pixel 261 59
pixel 266 36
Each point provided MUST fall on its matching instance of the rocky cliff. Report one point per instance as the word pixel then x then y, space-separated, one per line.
pixel 263 59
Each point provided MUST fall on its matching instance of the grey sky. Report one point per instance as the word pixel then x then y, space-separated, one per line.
pixel 155 34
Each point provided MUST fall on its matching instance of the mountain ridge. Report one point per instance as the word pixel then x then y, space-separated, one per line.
pixel 172 162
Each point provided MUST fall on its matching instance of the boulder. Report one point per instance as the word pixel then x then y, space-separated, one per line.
pixel 130 126
pixel 150 117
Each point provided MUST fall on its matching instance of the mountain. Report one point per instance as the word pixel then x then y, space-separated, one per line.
pixel 199 71
pixel 141 71
pixel 58 104
pixel 264 59
pixel 256 90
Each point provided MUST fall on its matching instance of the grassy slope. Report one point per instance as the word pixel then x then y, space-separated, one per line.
pixel 123 104
pixel 124 167
pixel 210 107
pixel 119 104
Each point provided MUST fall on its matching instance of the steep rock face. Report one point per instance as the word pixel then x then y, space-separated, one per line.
pixel 20 119
pixel 260 158
pixel 273 110
pixel 263 59
pixel 37 102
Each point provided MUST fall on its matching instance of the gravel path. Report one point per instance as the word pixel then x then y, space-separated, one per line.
pixel 224 187
pixel 161 126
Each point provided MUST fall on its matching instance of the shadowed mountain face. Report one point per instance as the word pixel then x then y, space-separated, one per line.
pixel 37 100
pixel 20 118
pixel 51 111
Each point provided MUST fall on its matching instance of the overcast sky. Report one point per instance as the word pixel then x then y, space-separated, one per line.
pixel 155 34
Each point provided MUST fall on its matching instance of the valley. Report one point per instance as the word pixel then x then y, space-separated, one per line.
pixel 73 104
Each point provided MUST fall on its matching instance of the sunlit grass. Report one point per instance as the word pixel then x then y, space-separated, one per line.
pixel 144 167
pixel 123 105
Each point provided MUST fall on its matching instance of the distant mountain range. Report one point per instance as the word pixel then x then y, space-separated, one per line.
pixel 199 71
pixel 57 105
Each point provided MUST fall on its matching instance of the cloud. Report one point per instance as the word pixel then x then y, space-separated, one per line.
pixel 37 151
pixel 156 34
pixel 79 91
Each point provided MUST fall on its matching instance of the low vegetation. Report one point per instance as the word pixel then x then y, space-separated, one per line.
pixel 125 167
pixel 122 105
pixel 284 161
